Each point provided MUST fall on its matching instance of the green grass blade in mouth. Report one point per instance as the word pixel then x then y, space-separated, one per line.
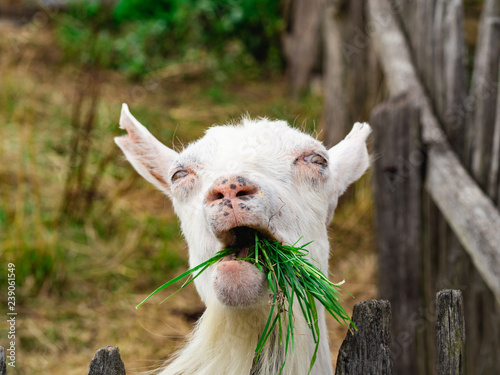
pixel 299 279
pixel 203 266
pixel 290 277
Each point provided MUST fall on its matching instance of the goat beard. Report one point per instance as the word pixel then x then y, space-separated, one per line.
pixel 224 341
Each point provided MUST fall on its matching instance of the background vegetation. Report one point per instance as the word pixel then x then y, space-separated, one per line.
pixel 137 37
pixel 88 236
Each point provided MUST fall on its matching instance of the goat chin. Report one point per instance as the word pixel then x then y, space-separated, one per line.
pixel 224 342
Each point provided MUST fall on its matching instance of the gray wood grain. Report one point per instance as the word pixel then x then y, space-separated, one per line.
pixel 454 74
pixel 484 93
pixel 471 214
pixel 435 34
pixel 367 350
pixel 480 86
pixel 301 42
pixel 494 175
pixel 3 363
pixel 335 112
pixel 348 71
pixel 468 210
pixel 107 361
pixel 397 195
pixel 450 332
pixel 391 48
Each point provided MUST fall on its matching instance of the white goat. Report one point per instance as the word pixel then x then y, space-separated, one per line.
pixel 256 176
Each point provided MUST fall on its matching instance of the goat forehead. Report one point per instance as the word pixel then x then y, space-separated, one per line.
pixel 252 143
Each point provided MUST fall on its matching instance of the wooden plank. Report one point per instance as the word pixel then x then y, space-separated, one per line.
pixel 107 361
pixel 481 84
pixel 482 315
pixel 435 32
pixel 358 72
pixel 494 182
pixel 397 192
pixel 410 15
pixel 3 363
pixel 436 87
pixel 391 47
pixel 430 277
pixel 450 332
pixel 301 43
pixel 417 20
pixel 455 74
pixel 469 212
pixel 484 92
pixel 427 28
pixel 367 350
pixel 346 68
pixel 335 111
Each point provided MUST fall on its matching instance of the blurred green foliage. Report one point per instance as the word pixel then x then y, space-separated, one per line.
pixel 140 36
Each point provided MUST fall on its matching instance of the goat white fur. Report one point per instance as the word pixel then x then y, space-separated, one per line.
pixel 257 174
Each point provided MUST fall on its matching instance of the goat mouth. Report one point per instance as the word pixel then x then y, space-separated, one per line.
pixel 239 282
pixel 242 240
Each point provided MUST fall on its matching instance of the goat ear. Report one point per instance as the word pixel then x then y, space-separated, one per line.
pixel 349 159
pixel 149 156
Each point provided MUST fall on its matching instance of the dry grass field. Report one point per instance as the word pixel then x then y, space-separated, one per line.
pixel 79 276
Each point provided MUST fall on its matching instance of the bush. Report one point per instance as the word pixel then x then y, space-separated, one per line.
pixel 137 36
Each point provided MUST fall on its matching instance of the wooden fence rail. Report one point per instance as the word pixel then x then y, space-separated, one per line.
pixel 366 350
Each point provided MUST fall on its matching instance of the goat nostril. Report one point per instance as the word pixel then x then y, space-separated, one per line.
pixel 230 189
pixel 249 190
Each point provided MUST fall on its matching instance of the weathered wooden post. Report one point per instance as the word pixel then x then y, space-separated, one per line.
pixel 107 361
pixel 367 350
pixel 3 362
pixel 399 161
pixel 450 332
pixel 301 41
pixel 348 71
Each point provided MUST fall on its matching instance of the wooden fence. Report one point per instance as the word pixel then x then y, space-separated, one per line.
pixel 364 351
pixel 436 181
pixel 436 154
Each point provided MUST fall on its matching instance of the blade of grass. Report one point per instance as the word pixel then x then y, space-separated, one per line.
pixel 202 266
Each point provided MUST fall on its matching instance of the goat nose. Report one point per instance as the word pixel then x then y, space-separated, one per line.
pixel 231 188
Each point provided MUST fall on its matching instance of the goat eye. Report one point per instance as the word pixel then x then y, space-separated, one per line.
pixel 316 159
pixel 179 174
